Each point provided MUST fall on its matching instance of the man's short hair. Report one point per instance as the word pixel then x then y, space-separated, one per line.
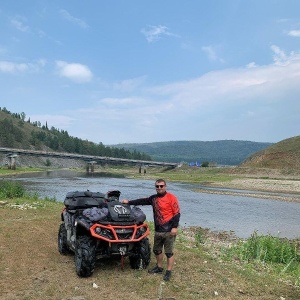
pixel 160 180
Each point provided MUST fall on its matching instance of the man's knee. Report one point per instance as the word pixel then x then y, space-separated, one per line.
pixel 169 255
pixel 157 252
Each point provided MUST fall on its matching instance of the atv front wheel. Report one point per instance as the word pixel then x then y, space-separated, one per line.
pixel 141 259
pixel 85 256
pixel 62 240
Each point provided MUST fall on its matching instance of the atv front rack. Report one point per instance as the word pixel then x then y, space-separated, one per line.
pixel 120 234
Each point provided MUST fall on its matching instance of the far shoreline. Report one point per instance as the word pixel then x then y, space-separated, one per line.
pixel 252 193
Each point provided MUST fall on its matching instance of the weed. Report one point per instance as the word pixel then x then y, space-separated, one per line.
pixel 11 189
pixel 273 253
pixel 200 237
pixel 53 199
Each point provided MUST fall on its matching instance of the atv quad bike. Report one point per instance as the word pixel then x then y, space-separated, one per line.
pixel 97 225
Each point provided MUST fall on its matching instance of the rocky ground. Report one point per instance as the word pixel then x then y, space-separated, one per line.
pixel 279 189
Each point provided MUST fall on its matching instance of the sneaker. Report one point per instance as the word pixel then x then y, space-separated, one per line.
pixel 168 275
pixel 156 270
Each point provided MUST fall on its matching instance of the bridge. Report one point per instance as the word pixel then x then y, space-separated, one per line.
pixel 91 160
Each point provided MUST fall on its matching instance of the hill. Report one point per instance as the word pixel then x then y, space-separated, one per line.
pixel 223 152
pixel 282 155
pixel 16 132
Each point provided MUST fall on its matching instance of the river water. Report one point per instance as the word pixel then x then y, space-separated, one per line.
pixel 239 214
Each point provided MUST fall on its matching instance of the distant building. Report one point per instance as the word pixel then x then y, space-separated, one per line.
pixel 194 164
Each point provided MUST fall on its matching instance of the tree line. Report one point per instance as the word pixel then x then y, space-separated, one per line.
pixel 15 133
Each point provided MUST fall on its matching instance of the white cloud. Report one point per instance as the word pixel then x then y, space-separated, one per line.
pixel 155 33
pixel 9 67
pixel 281 58
pixel 113 102
pixel 251 65
pixel 295 33
pixel 42 62
pixel 67 16
pixel 19 23
pixel 74 71
pixel 235 85
pixel 211 53
pixel 129 84
pixel 14 68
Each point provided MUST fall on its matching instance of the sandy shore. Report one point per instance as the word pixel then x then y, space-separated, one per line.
pixel 278 189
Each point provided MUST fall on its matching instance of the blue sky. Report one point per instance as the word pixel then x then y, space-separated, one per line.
pixel 149 71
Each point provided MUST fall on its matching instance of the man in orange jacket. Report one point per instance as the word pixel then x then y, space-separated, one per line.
pixel 166 214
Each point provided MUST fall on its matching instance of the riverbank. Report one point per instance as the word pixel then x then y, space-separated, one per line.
pixel 277 189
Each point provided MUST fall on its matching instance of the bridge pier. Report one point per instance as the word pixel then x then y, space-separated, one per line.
pixel 90 168
pixel 143 167
pixel 12 161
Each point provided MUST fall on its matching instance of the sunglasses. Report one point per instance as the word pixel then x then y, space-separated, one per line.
pixel 159 186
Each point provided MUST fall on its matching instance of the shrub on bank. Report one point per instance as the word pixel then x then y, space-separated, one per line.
pixel 277 254
pixel 11 189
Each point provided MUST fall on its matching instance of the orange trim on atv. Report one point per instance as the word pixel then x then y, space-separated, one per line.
pixel 111 230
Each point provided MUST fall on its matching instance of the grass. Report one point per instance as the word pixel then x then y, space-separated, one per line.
pixel 11 189
pixel 182 174
pixel 277 254
pixel 208 265
pixel 19 170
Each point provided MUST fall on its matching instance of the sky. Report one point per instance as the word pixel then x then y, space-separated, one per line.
pixel 139 71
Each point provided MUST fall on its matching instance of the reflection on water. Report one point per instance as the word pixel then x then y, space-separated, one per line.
pixel 243 215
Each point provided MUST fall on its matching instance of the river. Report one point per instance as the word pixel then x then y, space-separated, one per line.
pixel 238 214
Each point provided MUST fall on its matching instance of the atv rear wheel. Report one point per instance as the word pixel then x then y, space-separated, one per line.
pixel 85 256
pixel 62 240
pixel 141 259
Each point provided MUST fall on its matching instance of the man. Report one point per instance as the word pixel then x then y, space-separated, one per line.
pixel 166 214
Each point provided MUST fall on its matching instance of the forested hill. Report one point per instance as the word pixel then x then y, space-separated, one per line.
pixel 18 132
pixel 223 152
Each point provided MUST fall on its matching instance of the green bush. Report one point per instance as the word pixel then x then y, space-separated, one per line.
pixel 281 255
pixel 205 164
pixel 269 249
pixel 200 237
pixel 11 189
pixel 48 162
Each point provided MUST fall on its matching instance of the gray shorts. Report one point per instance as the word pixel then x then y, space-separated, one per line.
pixel 164 240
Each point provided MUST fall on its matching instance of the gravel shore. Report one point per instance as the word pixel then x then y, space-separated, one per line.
pixel 278 189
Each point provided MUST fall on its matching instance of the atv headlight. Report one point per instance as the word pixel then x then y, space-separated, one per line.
pixel 107 233
pixel 98 230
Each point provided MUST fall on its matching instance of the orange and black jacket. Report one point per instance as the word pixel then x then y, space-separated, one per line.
pixel 166 210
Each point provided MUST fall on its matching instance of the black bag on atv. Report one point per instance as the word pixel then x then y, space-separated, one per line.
pixel 138 215
pixel 86 199
pixel 95 214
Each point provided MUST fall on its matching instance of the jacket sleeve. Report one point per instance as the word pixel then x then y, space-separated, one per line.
pixel 175 221
pixel 141 201
pixel 176 217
